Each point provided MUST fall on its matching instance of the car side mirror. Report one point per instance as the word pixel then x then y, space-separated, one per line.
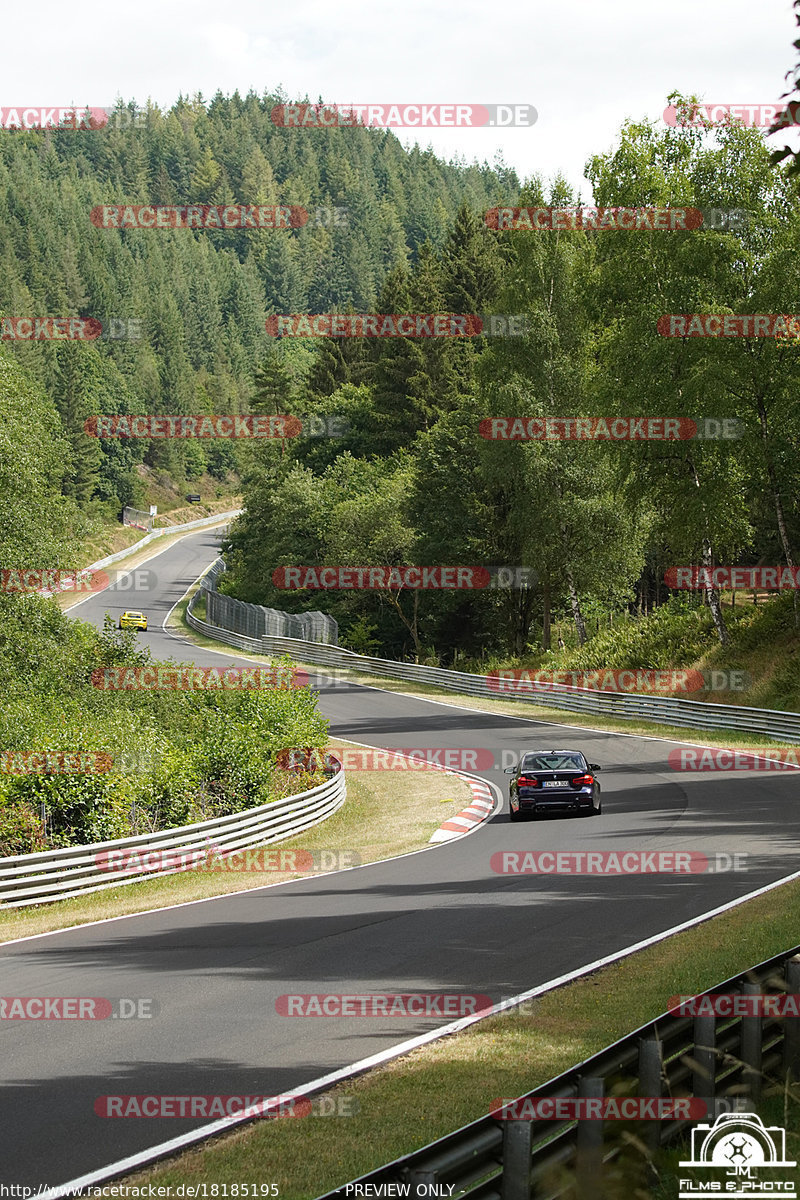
pixel 509 770
pixel 595 767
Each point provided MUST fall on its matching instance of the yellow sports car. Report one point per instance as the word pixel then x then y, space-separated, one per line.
pixel 132 620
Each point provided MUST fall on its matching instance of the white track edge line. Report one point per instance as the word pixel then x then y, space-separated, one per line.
pixel 370 687
pixel 404 1047
pixel 156 554
pixel 645 737
pixel 399 1049
pixel 245 891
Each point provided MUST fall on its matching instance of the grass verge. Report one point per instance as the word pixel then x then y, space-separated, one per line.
pixel 440 1087
pixel 123 538
pixel 522 709
pixel 426 1094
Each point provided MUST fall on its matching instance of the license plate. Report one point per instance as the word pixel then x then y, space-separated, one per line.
pixel 555 783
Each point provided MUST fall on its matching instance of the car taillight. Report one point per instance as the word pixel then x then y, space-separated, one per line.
pixel 527 781
pixel 582 780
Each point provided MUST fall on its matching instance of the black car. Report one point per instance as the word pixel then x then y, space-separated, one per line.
pixel 553 781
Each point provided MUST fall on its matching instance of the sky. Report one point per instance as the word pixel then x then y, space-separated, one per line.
pixel 585 66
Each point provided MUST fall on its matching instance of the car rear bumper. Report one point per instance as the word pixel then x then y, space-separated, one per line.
pixel 560 802
pixel 561 805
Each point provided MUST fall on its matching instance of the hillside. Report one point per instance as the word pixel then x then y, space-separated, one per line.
pixel 760 668
pixel 183 313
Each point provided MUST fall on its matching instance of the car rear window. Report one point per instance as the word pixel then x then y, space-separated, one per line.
pixel 552 762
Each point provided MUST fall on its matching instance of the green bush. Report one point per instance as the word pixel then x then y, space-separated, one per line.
pixel 168 784
pixel 244 731
pixel 21 830
pixel 154 760
pixel 79 808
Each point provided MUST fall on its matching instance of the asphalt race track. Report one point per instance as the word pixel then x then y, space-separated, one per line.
pixel 440 920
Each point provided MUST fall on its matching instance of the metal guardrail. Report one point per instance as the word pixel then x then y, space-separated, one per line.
pixel 152 537
pixel 59 874
pixel 719 1060
pixel 159 533
pixel 664 710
